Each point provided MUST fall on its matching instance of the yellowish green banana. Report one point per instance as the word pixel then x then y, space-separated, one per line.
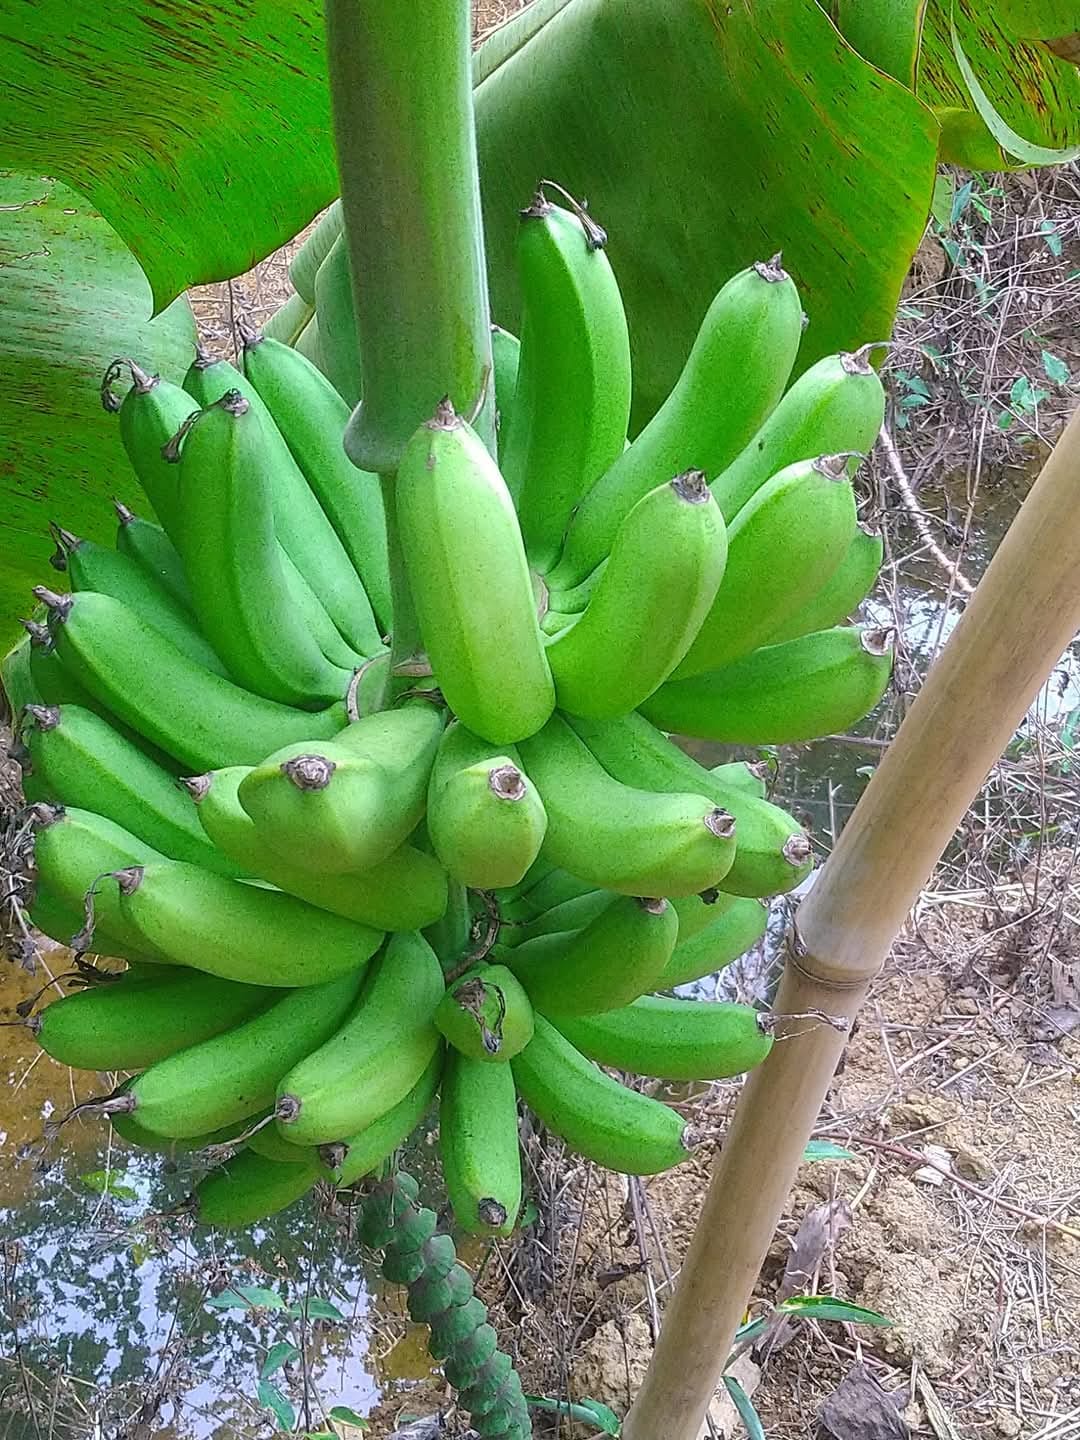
pixel 478 1143
pixel 673 1039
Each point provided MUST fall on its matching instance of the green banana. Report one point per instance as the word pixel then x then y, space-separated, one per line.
pixel 73 848
pixel 572 399
pixel 478 1143
pixel 655 592
pixel 449 935
pixel 305 533
pixel 335 308
pixel 544 887
pixel 842 594
pixel 150 414
pixel 132 1023
pixel 702 952
pixel 772 854
pixel 572 914
pixel 18 687
pixel 248 1188
pixel 377 1055
pixel 597 1117
pixel 77 758
pixel 304 265
pixel 290 319
pixel 151 549
pixel 732 380
pixel 129 1129
pixel 673 1039
pixel 233 1075
pixel 470 582
pixel 698 912
pixel 230 554
pixel 240 932
pixel 266 1141
pixel 784 544
pixel 618 956
pixel 486 1015
pixel 308 344
pixel 374 1144
pixel 312 416
pixel 837 405
pixel 782 694
pixel 748 775
pixel 505 360
pixel 484 817
pixel 198 717
pixel 313 618
pixel 348 804
pixel 624 839
pixel 97 568
pixel 406 891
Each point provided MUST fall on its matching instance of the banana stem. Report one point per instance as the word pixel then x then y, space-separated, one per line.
pixel 1023 614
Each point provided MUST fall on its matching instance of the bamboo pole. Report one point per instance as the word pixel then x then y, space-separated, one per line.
pixel 1024 612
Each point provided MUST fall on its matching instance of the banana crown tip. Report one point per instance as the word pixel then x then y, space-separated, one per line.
pixel 491 1212
pixel 857 362
pixel 45 717
pixel 59 606
pixel 309 772
pixel 797 849
pixel 129 879
pixel 123 513
pixel 693 487
pixel 287 1109
pixel 39 634
pixel 42 815
pixel 877 641
pixel 721 823
pixel 250 336
pixel 445 417
pixel 197 786
pixel 772 270
pixel 834 467
pixel 203 359
pixel 506 782
pixel 652 905
pixel 233 403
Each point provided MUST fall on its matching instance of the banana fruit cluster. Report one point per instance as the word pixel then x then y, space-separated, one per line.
pixel 345 884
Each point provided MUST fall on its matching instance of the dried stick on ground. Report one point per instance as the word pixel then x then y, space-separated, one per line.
pixel 1023 614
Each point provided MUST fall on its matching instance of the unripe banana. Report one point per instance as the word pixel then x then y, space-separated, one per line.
pixel 572 399
pixel 614 959
pixel 72 849
pixel 150 414
pixel 348 804
pixel 842 594
pixel 572 914
pixel 77 758
pixel 249 1187
pixel 132 1023
pixel 836 405
pixel 17 685
pixel 406 891
pixel 304 265
pixel 478 1143
pixel 544 887
pixel 374 1144
pixel 96 567
pixel 339 346
pixel 748 775
pixel 698 912
pixel 620 838
pixel 129 1129
pixel 773 853
pixel 377 1055
pixel 289 320
pixel 673 1039
pixel 816 685
pixel 267 1142
pixel 649 603
pixel 731 934
pixel 307 344
pixel 151 549
pixel 240 932
pixel 486 1015
pixel 463 548
pixel 505 359
pixel 733 378
pixel 234 1074
pixel 198 717
pixel 596 1116
pixel 484 816
pixel 449 935
pixel 784 544
pixel 305 533
pixel 312 416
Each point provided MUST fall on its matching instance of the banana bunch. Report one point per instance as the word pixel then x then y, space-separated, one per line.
pixel 346 880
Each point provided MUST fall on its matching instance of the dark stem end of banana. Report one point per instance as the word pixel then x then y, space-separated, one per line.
pixel 287 1109
pixel 39 634
pixel 506 782
pixel 197 786
pixel 233 403
pixel 309 772
pixel 124 515
pixel 445 417
pixel 596 236
pixel 772 270
pixel 692 486
pixel 834 467
pixel 249 335
pixel 797 850
pixel 66 542
pixel 857 362
pixel 58 606
pixel 141 382
pixel 45 717
pixel 878 641
pixel 721 823
pixel 652 904
pixel 203 359
pixel 129 879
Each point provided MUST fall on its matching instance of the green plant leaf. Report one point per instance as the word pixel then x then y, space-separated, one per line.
pixel 317 1309
pixel 349 1417
pixel 1055 368
pixel 74 297
pixel 706 136
pixel 283 1353
pixel 104 1182
pixel 276 1402
pixel 247 1297
pixel 826 1150
pixel 200 132
pixel 586 1412
pixel 888 33
pixel 825 1307
pixel 744 1405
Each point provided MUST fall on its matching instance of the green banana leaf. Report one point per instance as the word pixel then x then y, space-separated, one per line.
pixel 73 298
pixel 888 33
pixel 707 135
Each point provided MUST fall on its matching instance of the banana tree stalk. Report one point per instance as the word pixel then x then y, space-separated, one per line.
pixel 401 90
pixel 1023 614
